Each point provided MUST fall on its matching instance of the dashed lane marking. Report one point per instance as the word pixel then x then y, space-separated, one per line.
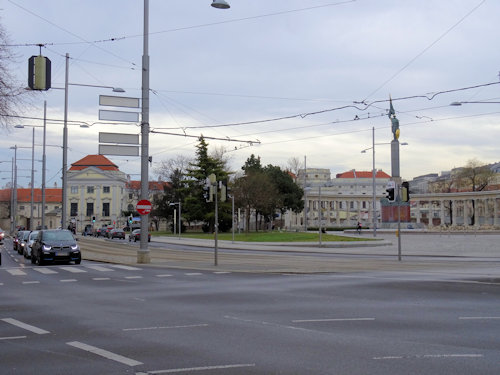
pixel 68 280
pixel 25 326
pixel 191 369
pixel 104 353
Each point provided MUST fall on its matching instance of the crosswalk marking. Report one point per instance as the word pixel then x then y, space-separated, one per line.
pixel 16 272
pixel 101 268
pixel 72 269
pixel 45 271
pixel 128 268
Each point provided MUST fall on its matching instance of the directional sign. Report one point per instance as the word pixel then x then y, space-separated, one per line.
pixel 143 207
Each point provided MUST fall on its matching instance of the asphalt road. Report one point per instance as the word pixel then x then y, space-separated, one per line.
pixel 98 318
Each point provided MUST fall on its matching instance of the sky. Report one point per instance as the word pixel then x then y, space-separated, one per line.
pixel 280 79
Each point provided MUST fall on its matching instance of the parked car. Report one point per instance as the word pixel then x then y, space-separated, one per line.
pixel 55 245
pixel 136 235
pixel 23 242
pixel 103 231
pixel 16 239
pixel 116 233
pixel 31 239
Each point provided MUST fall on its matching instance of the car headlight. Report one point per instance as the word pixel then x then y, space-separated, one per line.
pixel 46 248
pixel 75 248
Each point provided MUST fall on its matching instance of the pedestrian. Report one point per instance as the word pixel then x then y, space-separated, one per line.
pixel 358 228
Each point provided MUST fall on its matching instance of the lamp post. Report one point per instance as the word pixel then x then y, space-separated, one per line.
pixel 143 252
pixel 14 191
pixel 33 168
pixel 65 138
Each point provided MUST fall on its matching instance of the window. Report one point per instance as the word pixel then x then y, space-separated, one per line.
pixel 105 209
pixel 21 208
pixel 74 209
pixel 74 189
pixel 106 189
pixel 90 190
pixel 130 207
pixel 90 208
pixel 131 196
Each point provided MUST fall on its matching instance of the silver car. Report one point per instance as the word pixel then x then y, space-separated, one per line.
pixel 27 248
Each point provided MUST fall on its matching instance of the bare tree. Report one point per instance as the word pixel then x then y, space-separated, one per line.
pixel 293 165
pixel 475 176
pixel 167 167
pixel 13 96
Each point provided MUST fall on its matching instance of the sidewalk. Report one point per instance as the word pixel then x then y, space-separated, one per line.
pixel 422 251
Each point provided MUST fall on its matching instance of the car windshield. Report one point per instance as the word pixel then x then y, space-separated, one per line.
pixel 33 235
pixel 58 236
pixel 26 235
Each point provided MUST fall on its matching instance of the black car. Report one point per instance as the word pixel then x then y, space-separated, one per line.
pixel 2 236
pixel 116 233
pixel 55 245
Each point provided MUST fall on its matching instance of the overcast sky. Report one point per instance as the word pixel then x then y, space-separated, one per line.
pixel 325 68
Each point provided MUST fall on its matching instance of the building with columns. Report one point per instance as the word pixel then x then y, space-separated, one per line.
pixel 340 202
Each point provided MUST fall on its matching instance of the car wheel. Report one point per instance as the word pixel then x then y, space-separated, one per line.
pixel 78 261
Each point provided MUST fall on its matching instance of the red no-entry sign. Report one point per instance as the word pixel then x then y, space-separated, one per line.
pixel 143 207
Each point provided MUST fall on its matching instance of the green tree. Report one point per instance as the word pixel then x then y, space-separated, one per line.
pixel 196 207
pixel 173 193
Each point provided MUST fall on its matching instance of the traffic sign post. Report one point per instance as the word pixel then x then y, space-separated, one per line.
pixel 143 207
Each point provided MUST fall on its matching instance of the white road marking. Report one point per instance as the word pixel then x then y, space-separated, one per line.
pixel 189 369
pixel 104 353
pixel 221 272
pixel 31 282
pixel 16 272
pixel 1 284
pixel 430 356
pixel 101 268
pixel 25 326
pixel 166 275
pixel 332 320
pixel 68 280
pixel 128 268
pixel 13 338
pixel 45 271
pixel 101 278
pixel 166 327
pixel 133 277
pixel 478 317
pixel 72 269
pixel 193 274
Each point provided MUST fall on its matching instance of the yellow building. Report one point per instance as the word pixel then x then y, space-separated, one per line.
pixel 96 192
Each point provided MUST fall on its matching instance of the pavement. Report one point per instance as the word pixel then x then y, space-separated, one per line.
pixel 429 251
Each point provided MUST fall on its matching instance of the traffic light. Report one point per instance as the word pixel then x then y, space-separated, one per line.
pixel 93 219
pixel 405 191
pixel 39 73
pixel 390 194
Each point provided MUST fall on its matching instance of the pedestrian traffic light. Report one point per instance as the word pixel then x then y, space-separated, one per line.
pixel 405 191
pixel 93 219
pixel 390 194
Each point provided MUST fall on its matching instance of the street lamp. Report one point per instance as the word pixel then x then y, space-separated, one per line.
pixel 65 138
pixel 457 104
pixel 33 169
pixel 143 252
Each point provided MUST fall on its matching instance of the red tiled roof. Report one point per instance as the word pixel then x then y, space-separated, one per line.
pixel 52 195
pixel 362 174
pixel 98 161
